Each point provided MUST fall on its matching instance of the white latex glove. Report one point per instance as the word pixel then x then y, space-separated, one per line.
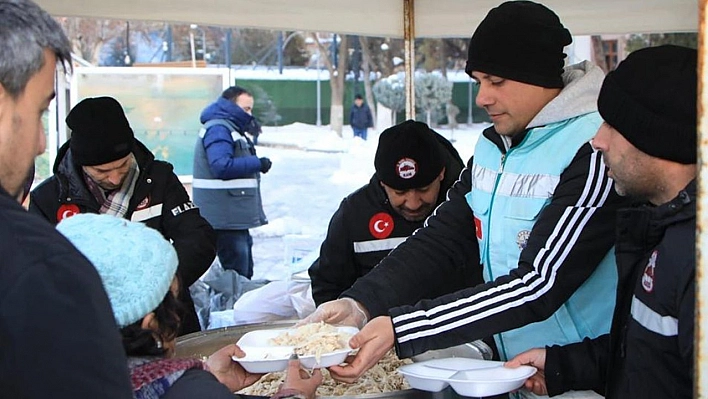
pixel 343 311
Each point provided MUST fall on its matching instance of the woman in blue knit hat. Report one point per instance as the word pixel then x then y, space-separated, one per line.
pixel 137 267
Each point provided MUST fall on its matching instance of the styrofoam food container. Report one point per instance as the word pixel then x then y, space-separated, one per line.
pixel 263 357
pixel 468 377
pixel 424 378
pixel 491 381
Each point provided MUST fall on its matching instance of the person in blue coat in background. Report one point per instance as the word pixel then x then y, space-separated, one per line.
pixel 360 117
pixel 227 176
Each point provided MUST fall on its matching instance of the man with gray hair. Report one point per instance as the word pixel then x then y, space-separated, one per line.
pixel 56 323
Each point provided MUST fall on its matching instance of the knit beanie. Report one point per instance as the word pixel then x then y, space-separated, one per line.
pixel 100 132
pixel 408 156
pixel 135 262
pixel 650 99
pixel 521 41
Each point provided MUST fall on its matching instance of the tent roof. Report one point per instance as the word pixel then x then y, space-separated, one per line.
pixel 433 18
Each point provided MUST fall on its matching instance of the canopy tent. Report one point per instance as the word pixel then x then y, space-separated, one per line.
pixel 432 18
pixel 389 18
pixel 445 18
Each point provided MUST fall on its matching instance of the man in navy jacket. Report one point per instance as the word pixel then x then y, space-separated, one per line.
pixel 360 117
pixel 227 178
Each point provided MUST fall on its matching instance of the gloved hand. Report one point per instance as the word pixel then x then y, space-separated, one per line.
pixel 343 311
pixel 265 164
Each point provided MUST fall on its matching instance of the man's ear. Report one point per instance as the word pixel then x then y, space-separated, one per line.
pixel 149 322
pixel 441 177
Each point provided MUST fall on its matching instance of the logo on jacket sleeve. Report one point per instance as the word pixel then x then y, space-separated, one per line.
pixel 381 225
pixel 406 168
pixel 176 211
pixel 67 211
pixel 648 276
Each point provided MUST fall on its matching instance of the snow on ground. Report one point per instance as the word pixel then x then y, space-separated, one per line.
pixel 313 169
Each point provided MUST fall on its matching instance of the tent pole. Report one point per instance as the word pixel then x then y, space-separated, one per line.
pixel 409 54
pixel 701 329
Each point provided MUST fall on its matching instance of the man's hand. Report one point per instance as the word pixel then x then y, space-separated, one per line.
pixel 265 164
pixel 298 381
pixel 229 372
pixel 536 358
pixel 343 311
pixel 373 341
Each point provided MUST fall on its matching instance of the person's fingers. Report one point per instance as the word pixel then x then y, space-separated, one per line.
pixel 514 363
pixel 237 351
pixel 294 364
pixel 251 379
pixel 532 357
pixel 349 359
pixel 359 339
pixel 316 376
pixel 354 369
pixel 304 374
pixel 233 350
pixel 349 373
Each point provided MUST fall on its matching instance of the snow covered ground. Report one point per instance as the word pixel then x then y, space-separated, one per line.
pixel 313 169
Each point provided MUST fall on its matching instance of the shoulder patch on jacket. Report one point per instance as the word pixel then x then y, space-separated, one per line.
pixel 183 208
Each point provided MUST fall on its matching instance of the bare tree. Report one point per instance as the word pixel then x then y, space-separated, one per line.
pixel 599 53
pixel 336 80
pixel 366 66
pixel 88 35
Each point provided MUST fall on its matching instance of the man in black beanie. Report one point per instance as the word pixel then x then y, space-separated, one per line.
pixel 648 141
pixel 104 169
pixel 535 202
pixel 415 167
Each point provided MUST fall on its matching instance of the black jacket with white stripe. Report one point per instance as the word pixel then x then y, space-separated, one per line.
pixel 649 351
pixel 353 247
pixel 159 200
pixel 427 265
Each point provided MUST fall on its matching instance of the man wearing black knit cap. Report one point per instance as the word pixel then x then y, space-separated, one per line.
pixel 648 141
pixel 104 169
pixel 535 203
pixel 414 169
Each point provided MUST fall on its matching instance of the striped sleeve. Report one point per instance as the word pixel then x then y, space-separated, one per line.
pixel 568 241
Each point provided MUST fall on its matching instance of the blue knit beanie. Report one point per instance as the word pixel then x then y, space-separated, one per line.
pixel 135 262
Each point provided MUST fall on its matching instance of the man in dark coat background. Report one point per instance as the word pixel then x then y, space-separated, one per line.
pixel 360 117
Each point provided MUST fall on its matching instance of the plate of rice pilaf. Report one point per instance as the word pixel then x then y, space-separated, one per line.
pixel 318 345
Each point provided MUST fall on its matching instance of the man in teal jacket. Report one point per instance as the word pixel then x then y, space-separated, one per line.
pixel 535 201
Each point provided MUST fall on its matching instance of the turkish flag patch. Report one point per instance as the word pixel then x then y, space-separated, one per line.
pixel 478 227
pixel 381 225
pixel 66 211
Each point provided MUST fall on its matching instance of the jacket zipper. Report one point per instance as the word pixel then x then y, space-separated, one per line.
pixel 502 162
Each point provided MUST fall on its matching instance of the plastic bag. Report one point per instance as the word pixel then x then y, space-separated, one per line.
pixel 218 290
pixel 278 300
